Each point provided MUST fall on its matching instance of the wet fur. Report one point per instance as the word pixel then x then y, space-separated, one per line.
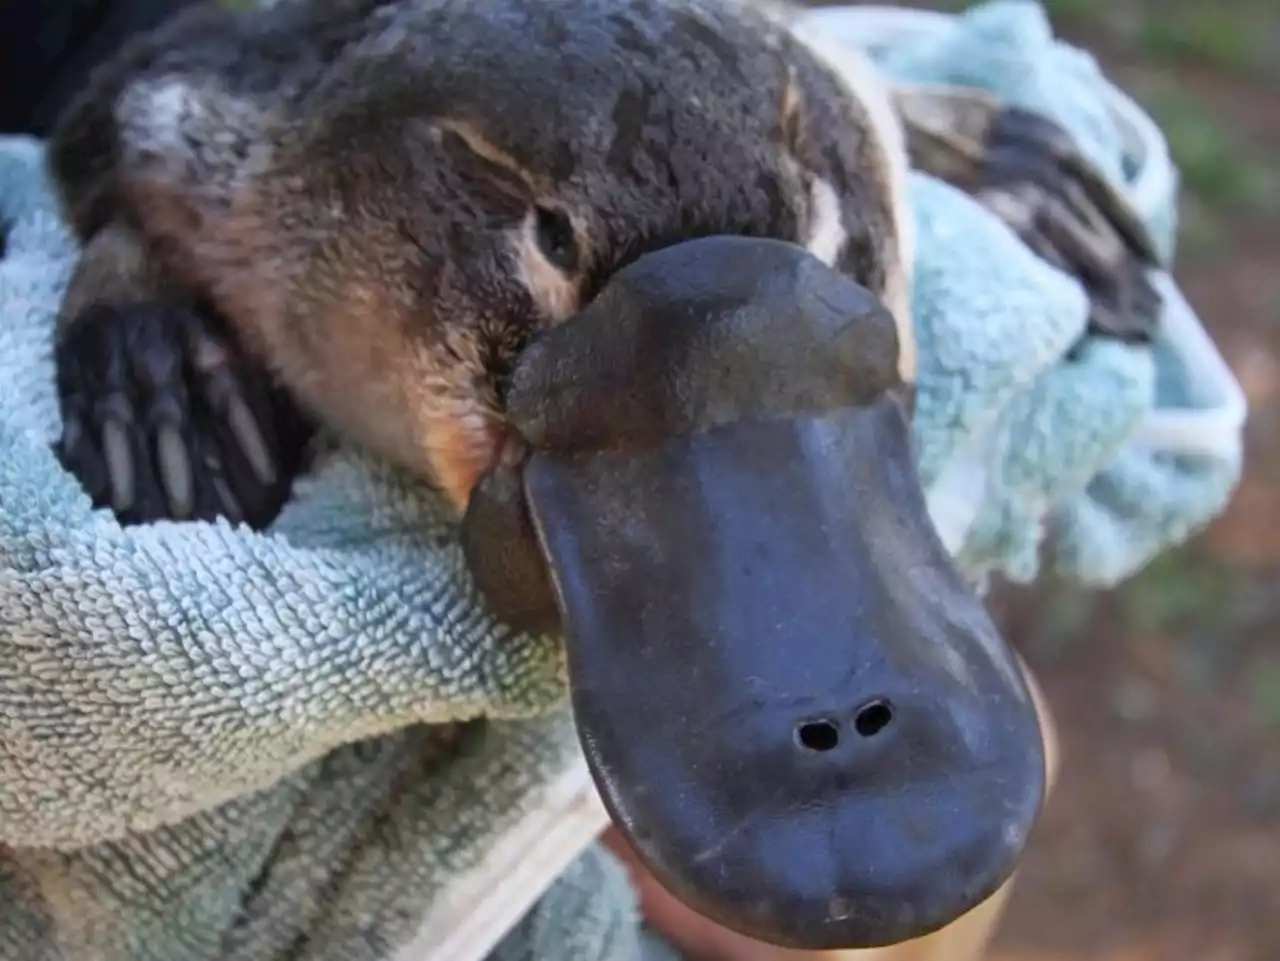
pixel 350 183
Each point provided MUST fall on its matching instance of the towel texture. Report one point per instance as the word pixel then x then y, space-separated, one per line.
pixel 1030 438
pixel 1168 479
pixel 216 744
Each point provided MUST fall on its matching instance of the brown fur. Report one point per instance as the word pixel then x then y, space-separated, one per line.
pixel 113 269
pixel 351 183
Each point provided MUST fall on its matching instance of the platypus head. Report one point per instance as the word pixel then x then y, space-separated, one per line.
pixel 793 705
pixel 507 246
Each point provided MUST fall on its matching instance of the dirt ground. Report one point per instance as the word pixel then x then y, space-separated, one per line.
pixel 1162 841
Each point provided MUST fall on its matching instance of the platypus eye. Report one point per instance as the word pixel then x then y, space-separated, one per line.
pixel 556 238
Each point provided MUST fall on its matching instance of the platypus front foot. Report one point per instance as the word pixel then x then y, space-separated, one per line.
pixel 164 418
pixel 1028 171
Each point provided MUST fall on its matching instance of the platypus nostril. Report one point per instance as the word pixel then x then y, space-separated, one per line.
pixel 818 735
pixel 873 717
pixel 824 735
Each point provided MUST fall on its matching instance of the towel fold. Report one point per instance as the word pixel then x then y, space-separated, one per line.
pixel 219 744
pixel 1099 454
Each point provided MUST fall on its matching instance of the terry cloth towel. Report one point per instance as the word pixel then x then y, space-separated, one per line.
pixel 212 742
pixel 216 744
pixel 1116 452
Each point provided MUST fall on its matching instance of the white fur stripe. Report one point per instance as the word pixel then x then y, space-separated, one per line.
pixel 826 235
pixel 866 85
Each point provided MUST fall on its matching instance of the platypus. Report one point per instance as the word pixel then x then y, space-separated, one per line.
pixel 626 280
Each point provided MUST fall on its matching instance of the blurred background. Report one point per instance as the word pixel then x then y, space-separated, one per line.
pixel 1162 839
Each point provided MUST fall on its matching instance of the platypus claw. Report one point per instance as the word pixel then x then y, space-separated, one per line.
pixel 164 419
pixel 1028 171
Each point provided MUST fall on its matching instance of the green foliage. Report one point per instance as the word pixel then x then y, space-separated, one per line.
pixel 1215 35
pixel 1215 165
pixel 1179 593
pixel 1266 693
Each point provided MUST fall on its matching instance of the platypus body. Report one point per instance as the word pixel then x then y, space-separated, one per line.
pixel 381 202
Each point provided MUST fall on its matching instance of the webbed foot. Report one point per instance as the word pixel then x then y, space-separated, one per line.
pixel 164 418
pixel 1027 170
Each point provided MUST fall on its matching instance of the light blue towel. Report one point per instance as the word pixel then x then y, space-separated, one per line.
pixel 180 705
pixel 1065 456
pixel 994 325
pixel 1159 490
